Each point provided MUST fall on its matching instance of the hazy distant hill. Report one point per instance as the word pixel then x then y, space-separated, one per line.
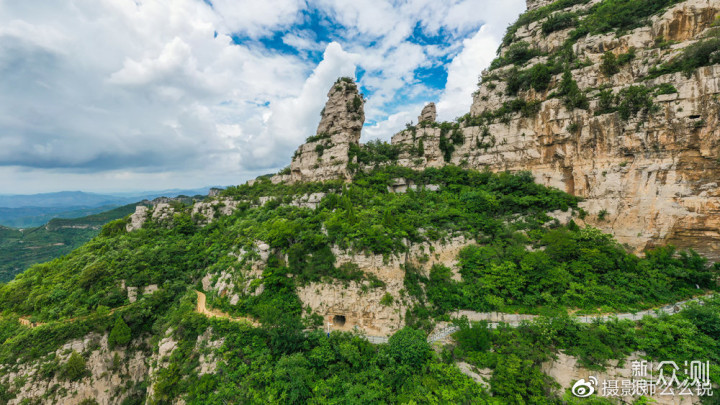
pixel 25 211
pixel 21 249
pixel 61 199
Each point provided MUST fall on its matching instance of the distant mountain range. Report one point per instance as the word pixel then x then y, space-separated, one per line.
pixel 19 249
pixel 25 211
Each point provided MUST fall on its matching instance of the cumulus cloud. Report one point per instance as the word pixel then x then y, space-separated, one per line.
pixel 291 120
pixel 97 94
pixel 463 74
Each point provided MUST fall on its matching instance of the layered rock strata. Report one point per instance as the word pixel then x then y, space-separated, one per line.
pixel 651 178
pixel 326 154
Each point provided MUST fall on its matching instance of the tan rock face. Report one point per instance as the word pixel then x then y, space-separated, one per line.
pixel 325 155
pixel 137 219
pixel 535 4
pixel 105 374
pixel 377 311
pixel 428 114
pixel 654 177
pixel 566 371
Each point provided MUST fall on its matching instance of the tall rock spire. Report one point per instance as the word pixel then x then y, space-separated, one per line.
pixel 324 156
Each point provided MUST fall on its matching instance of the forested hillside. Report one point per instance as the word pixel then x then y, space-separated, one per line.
pixel 19 249
pixel 522 260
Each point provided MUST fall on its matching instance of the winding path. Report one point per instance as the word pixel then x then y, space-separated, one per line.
pixel 493 318
pixel 201 308
pixel 496 318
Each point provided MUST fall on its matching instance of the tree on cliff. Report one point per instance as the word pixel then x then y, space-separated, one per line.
pixel 120 333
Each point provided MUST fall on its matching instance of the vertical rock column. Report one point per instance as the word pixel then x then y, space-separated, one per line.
pixel 324 156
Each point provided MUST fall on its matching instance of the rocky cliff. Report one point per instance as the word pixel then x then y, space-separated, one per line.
pixel 612 102
pixel 325 155
pixel 643 151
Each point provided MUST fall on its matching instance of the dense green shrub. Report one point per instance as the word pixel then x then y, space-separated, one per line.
pixel 450 136
pixel 609 65
pixel 665 88
pixel 606 102
pixel 356 104
pixel 516 54
pixel 622 15
pixel 537 77
pixel 634 100
pixel 75 367
pixel 703 53
pixel 572 96
pixel 579 268
pixel 120 334
pixel 374 152
pixel 559 21
pixel 409 348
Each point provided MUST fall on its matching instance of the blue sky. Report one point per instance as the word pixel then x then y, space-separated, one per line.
pixel 119 95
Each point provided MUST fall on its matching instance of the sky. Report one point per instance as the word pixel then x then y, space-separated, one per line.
pixel 128 95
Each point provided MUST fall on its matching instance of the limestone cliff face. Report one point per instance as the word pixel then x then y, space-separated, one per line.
pixel 325 155
pixel 642 148
pixel 650 178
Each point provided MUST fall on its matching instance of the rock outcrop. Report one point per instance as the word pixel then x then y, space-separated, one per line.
pixel 650 177
pixel 377 310
pixel 326 154
pixel 137 219
pixel 566 370
pixel 112 375
pixel 536 4
pixel 428 114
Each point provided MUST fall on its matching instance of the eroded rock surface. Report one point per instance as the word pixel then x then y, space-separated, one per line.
pixel 325 156
pixel 650 179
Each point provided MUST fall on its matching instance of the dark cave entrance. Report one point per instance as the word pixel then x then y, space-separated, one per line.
pixel 339 320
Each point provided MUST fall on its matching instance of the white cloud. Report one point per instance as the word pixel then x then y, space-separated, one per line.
pixel 293 119
pixel 134 93
pixel 463 73
pixel 472 54
pixel 256 18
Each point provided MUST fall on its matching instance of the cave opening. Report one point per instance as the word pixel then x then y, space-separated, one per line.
pixel 339 320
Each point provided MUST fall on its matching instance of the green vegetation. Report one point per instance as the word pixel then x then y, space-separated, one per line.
pixel 515 354
pixel 572 96
pixel 702 53
pixel 559 21
pixel 634 100
pixel 319 137
pixel 355 105
pixel 120 333
pixel 21 249
pixel 630 101
pixel 537 77
pixel 619 15
pixel 611 64
pixel 504 114
pixel 372 153
pixel 602 215
pixel 516 54
pixel 665 88
pixel 536 15
pixel 522 261
pixel 75 367
pixel 566 268
pixel 450 136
